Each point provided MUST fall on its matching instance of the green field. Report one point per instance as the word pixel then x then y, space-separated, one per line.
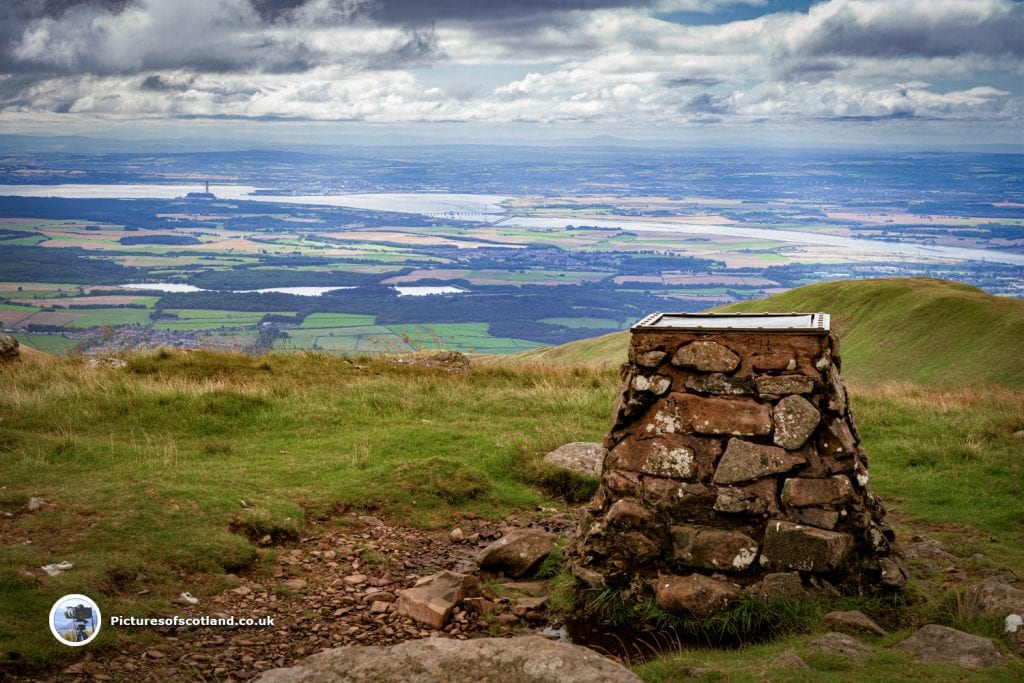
pixel 314 320
pixel 206 319
pixel 51 343
pixel 347 339
pixel 465 337
pixel 97 317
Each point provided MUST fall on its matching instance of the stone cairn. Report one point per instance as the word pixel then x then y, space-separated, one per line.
pixel 733 466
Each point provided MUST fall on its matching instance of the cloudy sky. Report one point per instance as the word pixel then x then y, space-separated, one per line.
pixel 854 71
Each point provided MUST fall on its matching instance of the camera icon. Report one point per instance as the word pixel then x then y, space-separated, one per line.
pixel 75 620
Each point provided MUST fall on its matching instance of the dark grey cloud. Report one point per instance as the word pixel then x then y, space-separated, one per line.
pixel 926 31
pixel 158 83
pixel 420 12
pixel 687 81
pixel 707 103
pixel 68 37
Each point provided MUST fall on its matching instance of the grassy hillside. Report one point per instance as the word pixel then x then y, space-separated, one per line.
pixel 166 472
pixel 922 330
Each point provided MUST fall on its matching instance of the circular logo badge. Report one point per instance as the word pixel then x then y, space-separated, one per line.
pixel 75 620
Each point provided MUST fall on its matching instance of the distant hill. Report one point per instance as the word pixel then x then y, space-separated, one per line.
pixel 920 330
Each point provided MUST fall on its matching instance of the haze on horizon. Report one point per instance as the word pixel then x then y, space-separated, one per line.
pixel 686 72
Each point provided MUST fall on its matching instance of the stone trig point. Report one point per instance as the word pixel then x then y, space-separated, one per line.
pixel 734 465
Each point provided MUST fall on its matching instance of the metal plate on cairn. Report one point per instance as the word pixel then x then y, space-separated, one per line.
pixel 790 323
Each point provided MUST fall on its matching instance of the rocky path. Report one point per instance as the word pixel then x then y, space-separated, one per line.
pixel 337 587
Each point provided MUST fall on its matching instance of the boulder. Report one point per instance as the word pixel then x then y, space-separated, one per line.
pixel 580 456
pixel 778 585
pixel 788 660
pixel 794 547
pixel 656 384
pixel 717 383
pixel 527 659
pixel 853 622
pixel 836 439
pixel 36 504
pixel 795 420
pixel 706 356
pixel 806 492
pixel 840 644
pixel 745 461
pixel 626 513
pixel 756 499
pixel 674 456
pixel 998 597
pixel 518 552
pixel 713 548
pixel 931 551
pixel 823 519
pixel 695 594
pixel 892 573
pixel 9 351
pixel 934 643
pixel 768 385
pixel 735 416
pixel 433 598
pixel 650 359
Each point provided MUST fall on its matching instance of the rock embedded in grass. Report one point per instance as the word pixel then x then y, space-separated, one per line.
pixel 695 594
pixel 9 351
pixel 996 596
pixel 853 622
pixel 842 645
pixel 580 456
pixel 944 645
pixel 525 659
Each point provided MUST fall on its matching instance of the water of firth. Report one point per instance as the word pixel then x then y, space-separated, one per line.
pixel 488 207
pixel 299 291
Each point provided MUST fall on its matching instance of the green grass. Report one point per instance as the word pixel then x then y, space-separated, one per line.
pixel 921 440
pixel 367 339
pixel 26 241
pixel 146 499
pixel 131 479
pixel 466 337
pixel 97 317
pixel 918 329
pixel 205 319
pixel 50 343
pixel 337 320
pixel 927 331
pixel 292 435
pixel 753 664
pixel 585 323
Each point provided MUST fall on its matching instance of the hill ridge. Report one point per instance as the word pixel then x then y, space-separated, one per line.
pixel 923 330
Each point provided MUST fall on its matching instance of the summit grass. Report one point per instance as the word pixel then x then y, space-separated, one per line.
pixel 165 473
pixel 175 465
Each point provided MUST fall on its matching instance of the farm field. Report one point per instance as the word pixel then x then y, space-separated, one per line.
pixel 544 265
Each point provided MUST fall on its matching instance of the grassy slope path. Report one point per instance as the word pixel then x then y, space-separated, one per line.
pixel 921 330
